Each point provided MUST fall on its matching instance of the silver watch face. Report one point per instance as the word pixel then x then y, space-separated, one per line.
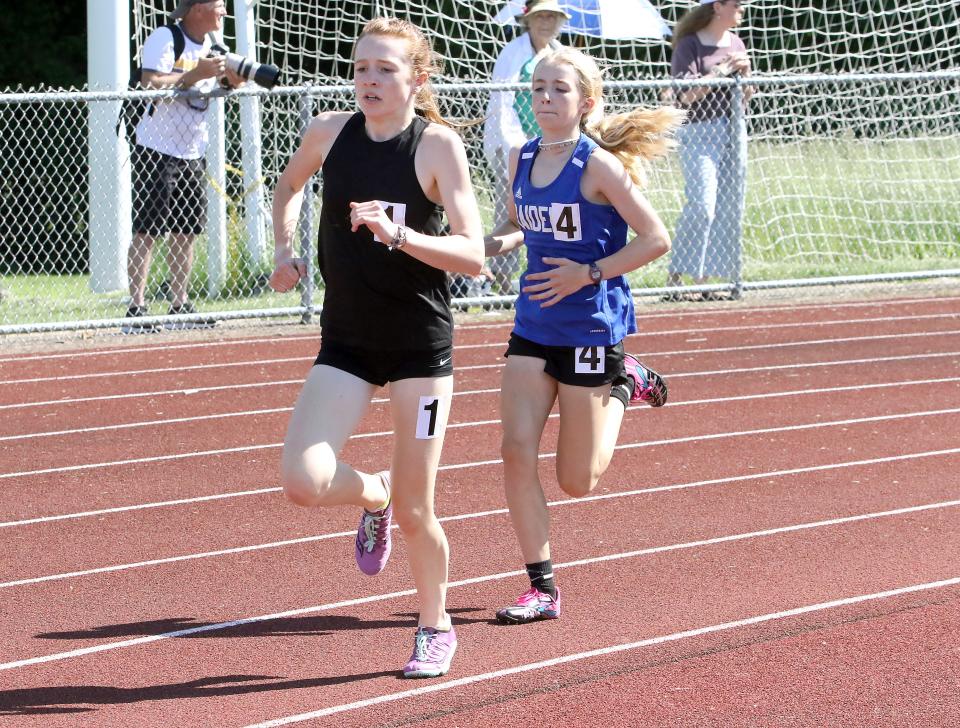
pixel 595 274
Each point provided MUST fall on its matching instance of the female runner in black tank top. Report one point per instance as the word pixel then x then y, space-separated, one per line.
pixel 386 174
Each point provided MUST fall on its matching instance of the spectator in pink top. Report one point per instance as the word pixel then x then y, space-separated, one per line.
pixel 713 142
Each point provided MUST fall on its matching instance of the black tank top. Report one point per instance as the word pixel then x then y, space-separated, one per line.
pixel 376 298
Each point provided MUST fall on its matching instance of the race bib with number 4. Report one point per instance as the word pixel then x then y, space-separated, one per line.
pixel 565 220
pixel 589 360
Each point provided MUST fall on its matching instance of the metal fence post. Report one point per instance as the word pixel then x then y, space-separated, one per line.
pixel 216 199
pixel 306 220
pixel 738 133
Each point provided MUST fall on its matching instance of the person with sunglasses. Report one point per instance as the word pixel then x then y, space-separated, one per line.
pixel 167 156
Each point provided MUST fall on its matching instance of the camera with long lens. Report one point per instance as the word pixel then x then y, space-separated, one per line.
pixel 262 74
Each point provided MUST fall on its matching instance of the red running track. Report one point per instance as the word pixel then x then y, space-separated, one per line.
pixel 780 545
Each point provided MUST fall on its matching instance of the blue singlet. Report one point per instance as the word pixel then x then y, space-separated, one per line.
pixel 559 222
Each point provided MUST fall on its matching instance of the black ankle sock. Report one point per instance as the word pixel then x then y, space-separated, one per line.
pixel 622 389
pixel 541 577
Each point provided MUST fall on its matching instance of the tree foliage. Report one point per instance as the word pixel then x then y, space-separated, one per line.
pixel 44 44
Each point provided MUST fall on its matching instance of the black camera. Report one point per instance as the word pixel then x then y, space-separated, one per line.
pixel 262 74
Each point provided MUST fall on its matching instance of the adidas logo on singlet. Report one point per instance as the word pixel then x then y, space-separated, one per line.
pixel 519 194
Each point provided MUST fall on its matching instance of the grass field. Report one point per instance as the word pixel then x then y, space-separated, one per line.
pixel 815 208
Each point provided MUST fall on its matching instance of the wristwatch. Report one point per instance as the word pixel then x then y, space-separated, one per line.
pixel 596 275
pixel 399 240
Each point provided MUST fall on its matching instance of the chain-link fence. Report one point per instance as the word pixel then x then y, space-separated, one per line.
pixel 834 190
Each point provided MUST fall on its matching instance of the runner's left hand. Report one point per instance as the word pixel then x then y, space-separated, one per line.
pixel 557 283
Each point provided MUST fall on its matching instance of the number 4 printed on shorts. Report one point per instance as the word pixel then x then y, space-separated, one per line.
pixel 431 419
pixel 589 360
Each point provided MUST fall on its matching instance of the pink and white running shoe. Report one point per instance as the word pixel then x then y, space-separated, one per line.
pixel 648 386
pixel 433 652
pixel 373 536
pixel 531 606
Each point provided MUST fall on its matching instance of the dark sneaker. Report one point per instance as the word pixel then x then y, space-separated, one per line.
pixel 648 386
pixel 196 322
pixel 373 535
pixel 432 653
pixel 132 326
pixel 531 606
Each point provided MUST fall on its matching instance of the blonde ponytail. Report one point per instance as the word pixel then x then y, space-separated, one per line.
pixel 637 137
pixel 634 137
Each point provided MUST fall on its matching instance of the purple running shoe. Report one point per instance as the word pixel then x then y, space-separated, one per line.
pixel 648 386
pixel 432 653
pixel 373 536
pixel 532 605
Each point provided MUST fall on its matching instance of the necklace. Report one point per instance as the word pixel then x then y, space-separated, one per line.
pixel 558 145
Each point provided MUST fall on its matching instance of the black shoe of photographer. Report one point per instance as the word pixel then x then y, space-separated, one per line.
pixel 132 326
pixel 186 309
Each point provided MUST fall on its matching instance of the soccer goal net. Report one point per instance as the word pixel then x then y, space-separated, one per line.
pixel 844 177
pixel 312 41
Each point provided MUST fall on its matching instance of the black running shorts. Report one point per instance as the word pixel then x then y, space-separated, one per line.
pixel 380 367
pixel 169 193
pixel 578 366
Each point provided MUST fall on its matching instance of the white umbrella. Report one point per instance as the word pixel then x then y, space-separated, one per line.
pixel 613 19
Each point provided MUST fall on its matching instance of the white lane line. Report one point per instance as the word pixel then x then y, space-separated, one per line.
pixel 160 370
pixel 138 507
pixel 474 580
pixel 699 313
pixel 791 428
pixel 754 347
pixel 459 369
pixel 807 365
pixel 161 348
pixel 184 392
pixel 803 324
pixel 149 423
pixel 256 362
pixel 768 367
pixel 603 651
pixel 650 443
pixel 741 433
pixel 585 499
pixel 177 559
pixel 473 392
pixel 136 461
pixel 477 514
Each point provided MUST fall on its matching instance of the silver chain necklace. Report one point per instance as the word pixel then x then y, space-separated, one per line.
pixel 558 145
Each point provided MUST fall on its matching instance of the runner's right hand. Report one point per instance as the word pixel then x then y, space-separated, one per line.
pixel 287 274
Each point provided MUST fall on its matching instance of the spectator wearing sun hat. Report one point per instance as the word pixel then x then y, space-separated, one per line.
pixel 510 121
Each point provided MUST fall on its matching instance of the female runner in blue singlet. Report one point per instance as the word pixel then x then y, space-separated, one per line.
pixel 388 174
pixel 575 194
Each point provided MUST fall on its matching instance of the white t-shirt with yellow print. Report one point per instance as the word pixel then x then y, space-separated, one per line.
pixel 175 127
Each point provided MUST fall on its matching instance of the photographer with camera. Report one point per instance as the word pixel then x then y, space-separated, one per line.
pixel 167 159
pixel 262 74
